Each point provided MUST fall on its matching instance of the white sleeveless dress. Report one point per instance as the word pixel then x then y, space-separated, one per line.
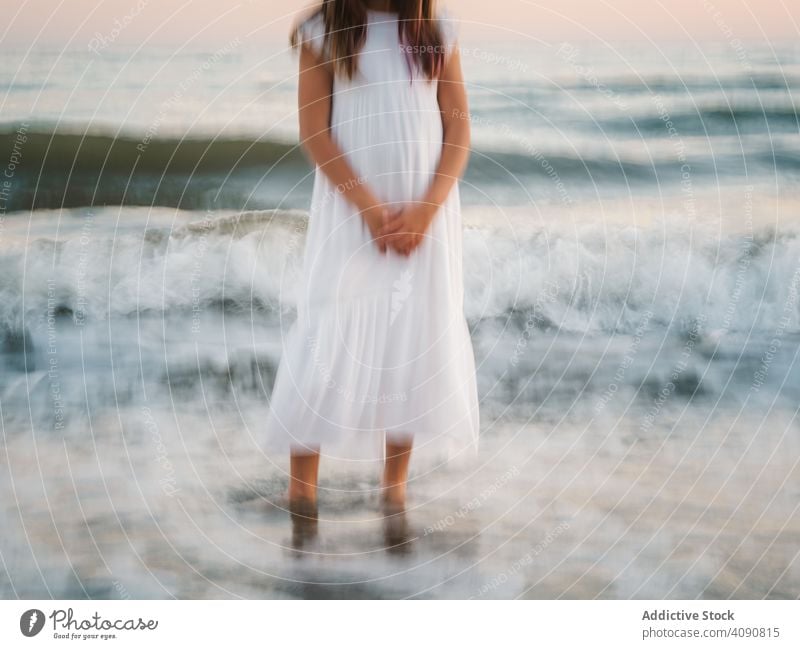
pixel 380 345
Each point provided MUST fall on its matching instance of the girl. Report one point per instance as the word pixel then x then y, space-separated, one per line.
pixel 380 355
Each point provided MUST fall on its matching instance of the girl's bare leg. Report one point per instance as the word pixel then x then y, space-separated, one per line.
pixel 395 471
pixel 304 466
pixel 303 496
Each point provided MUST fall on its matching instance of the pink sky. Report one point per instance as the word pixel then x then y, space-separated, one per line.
pixel 58 22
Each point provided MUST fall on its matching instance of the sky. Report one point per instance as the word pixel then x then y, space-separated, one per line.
pixel 79 23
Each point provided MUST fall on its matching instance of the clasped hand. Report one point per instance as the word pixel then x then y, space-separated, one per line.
pixel 401 230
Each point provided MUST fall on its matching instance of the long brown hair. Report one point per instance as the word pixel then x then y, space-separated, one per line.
pixel 346 30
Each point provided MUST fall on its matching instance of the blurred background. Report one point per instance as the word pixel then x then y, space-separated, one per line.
pixel 632 265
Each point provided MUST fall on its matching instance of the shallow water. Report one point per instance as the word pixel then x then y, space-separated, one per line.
pixel 575 493
pixel 553 511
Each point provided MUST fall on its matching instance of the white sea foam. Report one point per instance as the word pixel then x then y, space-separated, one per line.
pixel 583 277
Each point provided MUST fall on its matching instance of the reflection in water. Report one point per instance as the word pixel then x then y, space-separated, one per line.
pixel 396 531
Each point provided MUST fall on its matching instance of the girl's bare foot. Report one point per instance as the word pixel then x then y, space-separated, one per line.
pixel 393 497
pixel 396 534
pixel 305 523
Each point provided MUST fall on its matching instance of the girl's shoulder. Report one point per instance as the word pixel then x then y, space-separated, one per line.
pixel 311 32
pixel 448 26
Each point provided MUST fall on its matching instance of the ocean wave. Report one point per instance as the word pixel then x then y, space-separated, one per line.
pixel 708 121
pixel 50 151
pixel 560 277
pixel 530 91
pixel 47 148
pixel 55 168
pixel 60 169
pixel 650 83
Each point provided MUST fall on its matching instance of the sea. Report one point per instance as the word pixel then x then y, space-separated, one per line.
pixel 631 273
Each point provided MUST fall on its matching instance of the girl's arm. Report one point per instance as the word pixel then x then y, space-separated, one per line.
pixel 407 231
pixel 315 88
pixel 452 98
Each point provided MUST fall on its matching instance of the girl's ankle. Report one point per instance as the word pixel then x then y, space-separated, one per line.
pixel 393 494
pixel 302 494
